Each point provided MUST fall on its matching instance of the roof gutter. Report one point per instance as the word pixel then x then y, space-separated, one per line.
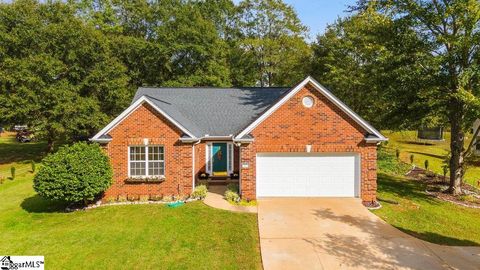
pixel 244 140
pixel 100 140
pixel 375 140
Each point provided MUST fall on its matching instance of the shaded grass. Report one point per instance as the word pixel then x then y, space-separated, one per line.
pixel 423 216
pixel 434 152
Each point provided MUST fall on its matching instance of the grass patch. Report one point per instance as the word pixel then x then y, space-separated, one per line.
pixel 244 203
pixel 426 217
pixel 406 206
pixel 434 152
pixel 193 236
pixel 388 163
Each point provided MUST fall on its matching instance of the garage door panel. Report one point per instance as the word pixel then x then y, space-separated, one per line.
pixel 306 175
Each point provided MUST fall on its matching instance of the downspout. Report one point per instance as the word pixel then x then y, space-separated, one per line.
pixel 193 164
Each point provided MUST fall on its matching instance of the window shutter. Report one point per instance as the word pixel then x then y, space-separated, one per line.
pixel 230 157
pixel 209 158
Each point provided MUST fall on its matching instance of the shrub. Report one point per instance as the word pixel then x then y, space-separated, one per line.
pixel 200 192
pixel 144 198
pixel 75 173
pixel 445 171
pixel 233 187
pixel 32 163
pixel 232 196
pixel 155 197
pixel 168 198
pixel 397 153
pixel 426 164
pixel 110 199
pixel 122 198
pixel 411 158
pixel 12 172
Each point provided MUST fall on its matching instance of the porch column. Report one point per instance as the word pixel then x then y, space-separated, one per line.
pixel 247 171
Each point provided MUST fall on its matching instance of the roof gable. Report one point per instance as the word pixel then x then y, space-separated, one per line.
pixel 102 136
pixel 324 91
pixel 213 111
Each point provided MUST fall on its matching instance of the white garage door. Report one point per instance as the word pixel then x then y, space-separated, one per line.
pixel 307 175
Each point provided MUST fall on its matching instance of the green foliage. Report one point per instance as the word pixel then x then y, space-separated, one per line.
pixel 58 74
pixel 375 65
pixel 426 164
pixel 233 187
pixel 445 170
pixel 231 196
pixel 32 164
pixel 12 172
pixel 451 31
pixel 67 68
pixel 200 192
pixel 274 39
pixel 76 173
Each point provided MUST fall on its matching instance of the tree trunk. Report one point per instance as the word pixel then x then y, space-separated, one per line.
pixel 50 144
pixel 457 141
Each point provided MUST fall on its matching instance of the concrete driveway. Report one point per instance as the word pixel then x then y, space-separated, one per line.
pixel 327 233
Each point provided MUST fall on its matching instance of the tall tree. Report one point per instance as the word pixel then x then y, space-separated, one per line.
pixel 56 73
pixel 452 28
pixel 369 61
pixel 274 38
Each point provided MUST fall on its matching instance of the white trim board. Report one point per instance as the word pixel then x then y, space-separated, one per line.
pixel 131 109
pixel 324 92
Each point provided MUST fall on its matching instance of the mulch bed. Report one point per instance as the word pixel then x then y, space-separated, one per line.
pixel 437 186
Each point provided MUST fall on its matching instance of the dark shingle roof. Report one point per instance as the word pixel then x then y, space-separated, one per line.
pixel 213 111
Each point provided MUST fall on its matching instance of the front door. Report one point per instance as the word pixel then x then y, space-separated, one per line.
pixel 219 158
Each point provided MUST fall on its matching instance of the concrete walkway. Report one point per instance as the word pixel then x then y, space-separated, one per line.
pixel 325 233
pixel 215 199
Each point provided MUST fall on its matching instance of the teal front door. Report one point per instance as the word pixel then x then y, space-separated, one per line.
pixel 219 158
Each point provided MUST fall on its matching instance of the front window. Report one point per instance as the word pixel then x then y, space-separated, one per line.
pixel 146 161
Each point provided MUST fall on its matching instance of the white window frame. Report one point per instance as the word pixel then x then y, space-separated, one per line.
pixel 146 161
pixel 209 154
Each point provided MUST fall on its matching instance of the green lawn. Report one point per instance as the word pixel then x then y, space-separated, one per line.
pixel 193 236
pixel 420 215
pixel 406 142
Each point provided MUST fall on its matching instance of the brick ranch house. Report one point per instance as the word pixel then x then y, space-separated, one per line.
pixel 290 142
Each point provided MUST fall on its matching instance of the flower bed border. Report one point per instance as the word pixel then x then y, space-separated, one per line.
pixel 100 204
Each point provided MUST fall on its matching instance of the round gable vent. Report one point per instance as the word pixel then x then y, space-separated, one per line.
pixel 307 101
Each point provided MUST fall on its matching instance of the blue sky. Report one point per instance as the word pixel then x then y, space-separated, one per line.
pixel 317 14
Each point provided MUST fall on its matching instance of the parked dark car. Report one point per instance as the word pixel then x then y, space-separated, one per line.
pixel 25 136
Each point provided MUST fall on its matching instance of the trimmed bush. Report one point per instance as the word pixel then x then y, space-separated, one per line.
pixel 76 173
pixel 200 192
pixel 12 172
pixel 232 196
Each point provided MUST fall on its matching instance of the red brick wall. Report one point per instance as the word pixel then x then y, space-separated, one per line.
pixel 145 122
pixel 324 126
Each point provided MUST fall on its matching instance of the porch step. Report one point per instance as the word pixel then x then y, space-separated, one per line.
pixel 221 181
